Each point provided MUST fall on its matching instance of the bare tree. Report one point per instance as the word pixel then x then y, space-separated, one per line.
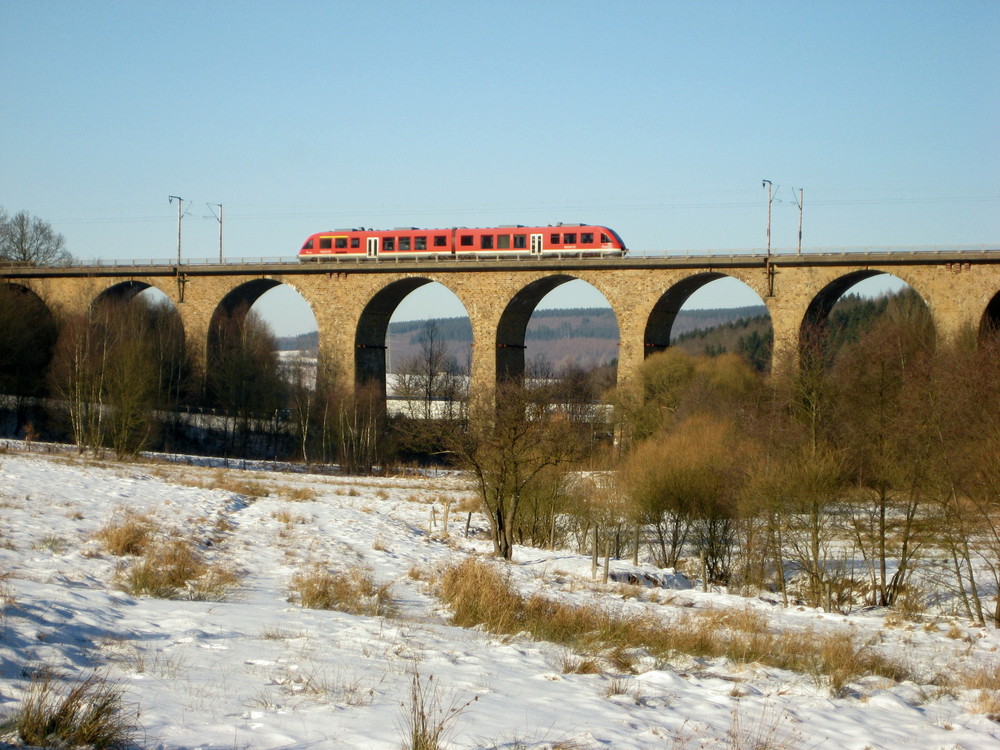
pixel 302 404
pixel 430 380
pixel 105 373
pixel 244 376
pixel 77 380
pixel 27 239
pixel 506 450
pixel 361 432
pixel 966 467
pixel 131 374
pixel 886 435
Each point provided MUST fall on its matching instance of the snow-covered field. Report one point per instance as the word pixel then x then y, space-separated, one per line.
pixel 256 671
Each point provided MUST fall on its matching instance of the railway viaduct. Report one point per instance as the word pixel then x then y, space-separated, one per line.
pixel 354 300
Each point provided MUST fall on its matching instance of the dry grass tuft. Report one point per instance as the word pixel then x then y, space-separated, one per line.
pixel 427 719
pixel 129 533
pixel 984 678
pixel 467 504
pixel 89 713
pixel 277 634
pixel 480 594
pixel 288 518
pixel 296 494
pixel 988 704
pixel 52 543
pixel 572 664
pixel 218 479
pixel 353 590
pixel 421 573
pixel 768 730
pixel 174 569
pixel 842 659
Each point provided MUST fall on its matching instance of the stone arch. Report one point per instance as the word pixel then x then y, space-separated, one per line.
pixel 126 291
pixel 818 310
pixel 989 324
pixel 123 291
pixel 659 327
pixel 28 294
pixel 373 325
pixel 239 299
pixel 236 304
pixel 661 319
pixel 514 322
pixel 28 340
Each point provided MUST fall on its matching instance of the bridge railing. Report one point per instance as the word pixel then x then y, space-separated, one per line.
pixel 782 253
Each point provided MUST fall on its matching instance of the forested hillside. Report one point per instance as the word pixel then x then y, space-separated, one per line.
pixel 588 337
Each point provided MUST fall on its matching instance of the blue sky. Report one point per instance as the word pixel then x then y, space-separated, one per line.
pixel 659 119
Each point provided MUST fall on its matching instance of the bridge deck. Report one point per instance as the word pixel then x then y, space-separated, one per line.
pixel 566 262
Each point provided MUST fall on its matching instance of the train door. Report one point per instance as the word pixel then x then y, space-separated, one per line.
pixel 372 247
pixel 536 244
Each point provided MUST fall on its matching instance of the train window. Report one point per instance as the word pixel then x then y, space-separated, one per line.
pixel 325 243
pixel 503 242
pixel 520 241
pixel 554 239
pixel 466 240
pixel 389 245
pixel 308 245
pixel 355 242
pixel 586 238
pixel 419 243
pixel 486 242
pixel 340 243
pixel 440 240
pixel 569 239
pixel 605 238
pixel 404 244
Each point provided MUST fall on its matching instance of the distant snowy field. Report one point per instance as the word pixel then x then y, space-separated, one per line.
pixel 256 671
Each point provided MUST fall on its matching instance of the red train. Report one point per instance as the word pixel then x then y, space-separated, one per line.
pixel 509 241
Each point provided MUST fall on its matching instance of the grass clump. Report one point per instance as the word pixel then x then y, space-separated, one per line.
pixel 174 569
pixel 87 713
pixel 127 534
pixel 53 543
pixel 427 720
pixel 296 494
pixel 986 677
pixel 481 594
pixel 353 590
